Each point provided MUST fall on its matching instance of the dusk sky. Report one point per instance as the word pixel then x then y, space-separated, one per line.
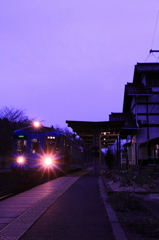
pixel 70 59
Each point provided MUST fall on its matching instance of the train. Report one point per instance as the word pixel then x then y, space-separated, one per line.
pixel 37 148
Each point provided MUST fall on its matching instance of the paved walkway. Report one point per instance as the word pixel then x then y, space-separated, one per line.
pixel 79 214
pixel 70 207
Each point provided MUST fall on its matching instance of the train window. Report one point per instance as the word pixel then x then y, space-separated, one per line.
pixel 21 145
pixel 50 142
pixel 35 145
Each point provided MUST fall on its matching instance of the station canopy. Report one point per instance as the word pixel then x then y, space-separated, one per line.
pixel 109 129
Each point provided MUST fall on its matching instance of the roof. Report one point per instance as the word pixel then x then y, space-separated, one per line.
pixel 134 89
pixel 79 126
pixel 86 130
pixel 141 68
pixel 129 123
pixel 154 140
pixel 31 129
pixel 128 120
pixel 137 89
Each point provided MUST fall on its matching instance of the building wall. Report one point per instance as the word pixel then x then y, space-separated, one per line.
pixel 147 115
pixel 131 154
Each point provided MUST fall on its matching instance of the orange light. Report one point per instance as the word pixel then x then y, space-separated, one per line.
pixel 20 160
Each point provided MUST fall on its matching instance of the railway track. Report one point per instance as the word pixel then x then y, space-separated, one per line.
pixel 11 188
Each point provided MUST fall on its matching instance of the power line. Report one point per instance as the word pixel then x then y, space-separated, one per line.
pixel 155 29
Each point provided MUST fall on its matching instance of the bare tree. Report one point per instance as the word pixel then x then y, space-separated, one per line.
pixel 73 136
pixel 68 132
pixel 13 114
pixel 10 120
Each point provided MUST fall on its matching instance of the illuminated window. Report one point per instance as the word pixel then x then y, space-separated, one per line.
pixel 50 143
pixel 21 143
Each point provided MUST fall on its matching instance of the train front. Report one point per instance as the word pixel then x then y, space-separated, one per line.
pixel 37 149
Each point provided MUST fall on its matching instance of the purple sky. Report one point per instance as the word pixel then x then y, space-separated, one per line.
pixel 70 59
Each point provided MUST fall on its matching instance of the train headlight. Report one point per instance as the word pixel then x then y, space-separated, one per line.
pixel 48 161
pixel 20 160
pixel 36 124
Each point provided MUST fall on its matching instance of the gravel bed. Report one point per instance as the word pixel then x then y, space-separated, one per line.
pixel 136 208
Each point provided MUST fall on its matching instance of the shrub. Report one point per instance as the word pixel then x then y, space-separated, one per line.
pixel 124 201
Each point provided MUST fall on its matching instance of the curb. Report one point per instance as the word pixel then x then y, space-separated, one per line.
pixel 117 229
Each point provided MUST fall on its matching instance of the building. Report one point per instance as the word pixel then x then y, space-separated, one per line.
pixel 138 124
pixel 141 115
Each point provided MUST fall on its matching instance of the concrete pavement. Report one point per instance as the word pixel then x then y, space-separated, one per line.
pixel 79 214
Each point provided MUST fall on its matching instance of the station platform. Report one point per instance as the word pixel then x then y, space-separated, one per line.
pixel 71 207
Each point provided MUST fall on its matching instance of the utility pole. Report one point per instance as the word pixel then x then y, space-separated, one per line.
pixel 96 154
